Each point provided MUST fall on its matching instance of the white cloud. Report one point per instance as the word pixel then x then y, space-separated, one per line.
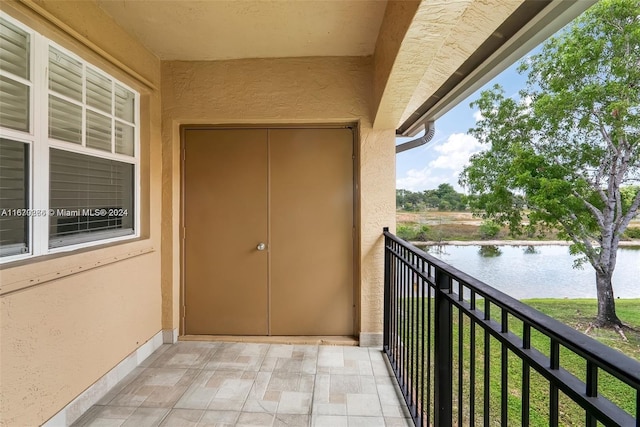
pixel 452 156
pixel 477 115
pixel 455 152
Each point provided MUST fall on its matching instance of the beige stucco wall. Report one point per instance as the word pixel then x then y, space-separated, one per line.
pixel 68 319
pixel 285 90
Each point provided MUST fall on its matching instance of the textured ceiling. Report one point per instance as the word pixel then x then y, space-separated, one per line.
pixel 221 29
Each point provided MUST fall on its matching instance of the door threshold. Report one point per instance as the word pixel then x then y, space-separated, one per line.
pixel 297 340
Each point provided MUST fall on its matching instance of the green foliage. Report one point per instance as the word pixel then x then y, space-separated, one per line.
pixel 405 232
pixel 489 229
pixel 489 251
pixel 413 232
pixel 632 233
pixel 444 198
pixel 565 153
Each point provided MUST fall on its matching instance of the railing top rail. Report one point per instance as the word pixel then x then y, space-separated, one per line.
pixel 612 361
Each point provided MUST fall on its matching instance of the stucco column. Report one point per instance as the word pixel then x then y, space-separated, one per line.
pixel 377 210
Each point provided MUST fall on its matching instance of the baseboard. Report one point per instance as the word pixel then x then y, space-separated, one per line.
pixel 74 410
pixel 170 336
pixel 371 339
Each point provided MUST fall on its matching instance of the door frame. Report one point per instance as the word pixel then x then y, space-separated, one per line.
pixel 355 127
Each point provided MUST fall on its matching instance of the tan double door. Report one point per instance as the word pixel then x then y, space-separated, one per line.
pixel 268 238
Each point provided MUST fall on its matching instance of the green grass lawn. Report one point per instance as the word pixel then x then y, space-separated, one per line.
pixel 576 313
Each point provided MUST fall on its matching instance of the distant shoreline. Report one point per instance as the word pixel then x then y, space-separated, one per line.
pixel 624 243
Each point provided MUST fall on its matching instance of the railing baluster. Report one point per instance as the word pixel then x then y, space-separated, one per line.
pixel 553 389
pixel 402 314
pixel 638 407
pixel 526 374
pixel 429 349
pixel 472 373
pixel 422 340
pixel 592 390
pixel 487 364
pixel 487 379
pixel 504 379
pixel 460 358
pixel 443 346
pixel 412 352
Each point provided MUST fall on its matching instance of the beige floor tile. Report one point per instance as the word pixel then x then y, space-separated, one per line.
pixel 104 416
pixel 330 357
pixel 344 384
pixel 289 420
pixel 218 419
pixel 225 405
pixel 187 355
pixel 363 405
pixel 236 390
pixel 329 409
pixel 255 419
pixel 329 421
pixel 366 422
pixel 146 417
pixel 156 387
pixel 295 402
pixel 155 355
pixel 182 418
pixel 395 411
pixel 107 398
pixel 201 391
pixel 260 405
pixel 398 422
pixel 380 368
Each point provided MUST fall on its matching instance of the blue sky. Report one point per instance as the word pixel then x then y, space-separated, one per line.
pixel 444 157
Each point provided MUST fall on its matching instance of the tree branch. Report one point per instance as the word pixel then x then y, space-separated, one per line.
pixel 594 210
pixel 633 210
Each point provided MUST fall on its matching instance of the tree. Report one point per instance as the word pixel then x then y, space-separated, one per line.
pixel 571 142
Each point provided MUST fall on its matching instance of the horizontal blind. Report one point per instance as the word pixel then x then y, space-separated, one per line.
pixel 98 91
pixel 14 200
pixel 65 120
pixel 14 49
pixel 89 198
pixel 14 104
pixel 14 60
pixel 65 75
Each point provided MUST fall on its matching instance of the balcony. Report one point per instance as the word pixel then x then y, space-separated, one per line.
pixel 466 354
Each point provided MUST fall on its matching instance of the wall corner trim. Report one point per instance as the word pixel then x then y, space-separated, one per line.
pixel 78 406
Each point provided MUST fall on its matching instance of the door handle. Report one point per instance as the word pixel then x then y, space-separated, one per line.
pixel 261 246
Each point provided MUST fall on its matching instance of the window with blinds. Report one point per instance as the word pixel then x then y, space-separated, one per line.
pixel 14 197
pixel 83 126
pixel 91 197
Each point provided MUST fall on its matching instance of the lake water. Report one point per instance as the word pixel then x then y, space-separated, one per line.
pixel 540 271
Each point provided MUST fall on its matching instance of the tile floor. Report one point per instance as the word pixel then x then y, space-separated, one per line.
pixel 245 384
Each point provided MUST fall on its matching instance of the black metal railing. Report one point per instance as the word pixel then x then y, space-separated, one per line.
pixel 467 354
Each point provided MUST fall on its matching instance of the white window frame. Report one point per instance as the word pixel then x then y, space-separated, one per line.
pixel 39 144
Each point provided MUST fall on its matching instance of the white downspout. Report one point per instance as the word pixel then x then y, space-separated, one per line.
pixel 429 131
